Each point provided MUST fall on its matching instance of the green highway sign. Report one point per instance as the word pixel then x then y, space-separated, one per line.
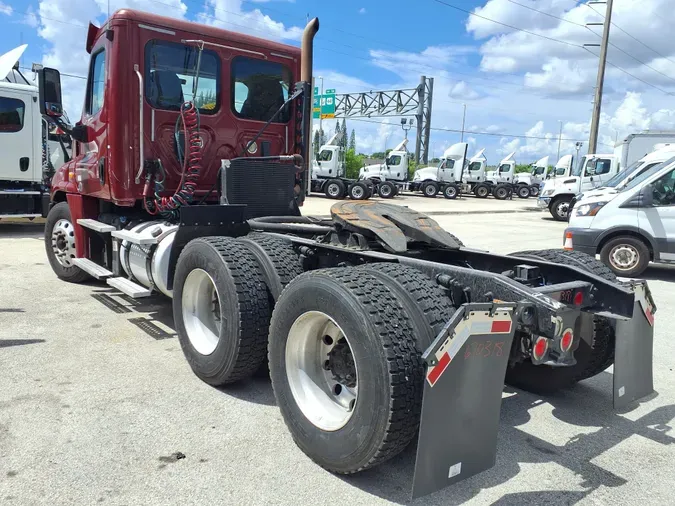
pixel 324 105
pixel 330 91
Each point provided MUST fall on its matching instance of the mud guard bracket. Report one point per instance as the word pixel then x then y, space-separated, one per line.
pixel 466 365
pixel 633 358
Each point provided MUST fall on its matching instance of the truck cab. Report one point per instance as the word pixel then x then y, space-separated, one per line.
pixel 631 226
pixel 475 169
pixel 449 168
pixel 592 171
pixel 505 172
pixel 394 168
pixel 329 163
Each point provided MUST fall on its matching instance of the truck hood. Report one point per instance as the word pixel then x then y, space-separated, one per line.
pixel 560 185
pixel 8 60
pixel 425 173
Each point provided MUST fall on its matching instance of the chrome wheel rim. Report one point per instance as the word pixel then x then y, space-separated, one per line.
pixel 385 191
pixel 63 242
pixel 430 190
pixel 321 371
pixel 562 209
pixel 333 190
pixel 201 311
pixel 450 191
pixel 624 257
pixel 357 192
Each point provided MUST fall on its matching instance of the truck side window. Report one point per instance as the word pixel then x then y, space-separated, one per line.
pixel 602 167
pixel 11 114
pixel 664 190
pixel 325 156
pixel 475 166
pixel 259 88
pixel 96 87
pixel 170 71
pixel 560 171
pixel 394 160
pixel 505 167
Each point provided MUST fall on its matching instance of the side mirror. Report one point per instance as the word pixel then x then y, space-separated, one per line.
pixel 49 82
pixel 80 133
pixel 647 196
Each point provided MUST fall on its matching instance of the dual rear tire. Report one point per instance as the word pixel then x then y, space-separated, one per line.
pixel 340 342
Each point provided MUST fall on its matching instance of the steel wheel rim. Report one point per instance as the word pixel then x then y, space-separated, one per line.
pixel 385 191
pixel 501 192
pixel 624 257
pixel 63 242
pixel 561 209
pixel 357 192
pixel 522 193
pixel 333 190
pixel 450 191
pixel 201 311
pixel 482 191
pixel 429 190
pixel 326 397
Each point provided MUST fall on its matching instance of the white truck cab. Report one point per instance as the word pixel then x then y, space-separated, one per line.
pixel 394 168
pixel 630 227
pixel 592 171
pixel 475 171
pixel 536 175
pixel 505 172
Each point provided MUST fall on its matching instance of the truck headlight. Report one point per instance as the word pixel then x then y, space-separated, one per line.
pixel 589 209
pixel 548 192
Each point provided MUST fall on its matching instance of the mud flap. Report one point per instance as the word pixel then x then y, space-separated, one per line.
pixel 466 365
pixel 633 362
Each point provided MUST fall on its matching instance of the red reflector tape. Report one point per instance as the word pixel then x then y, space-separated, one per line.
pixel 650 316
pixel 501 327
pixel 435 373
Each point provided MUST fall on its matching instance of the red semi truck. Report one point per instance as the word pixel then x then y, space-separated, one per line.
pixel 189 169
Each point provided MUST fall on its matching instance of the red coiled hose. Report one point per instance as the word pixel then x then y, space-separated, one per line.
pixel 191 166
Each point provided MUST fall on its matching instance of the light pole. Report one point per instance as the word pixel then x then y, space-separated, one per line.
pixel 461 139
pixel 578 147
pixel 320 115
pixel 406 126
pixel 559 138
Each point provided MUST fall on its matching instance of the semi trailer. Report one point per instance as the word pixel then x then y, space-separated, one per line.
pixel 379 328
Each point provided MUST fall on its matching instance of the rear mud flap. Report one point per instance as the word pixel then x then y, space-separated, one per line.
pixel 466 365
pixel 633 362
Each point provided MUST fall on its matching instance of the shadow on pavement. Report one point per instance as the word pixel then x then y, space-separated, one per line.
pixel 659 273
pixel 21 230
pixel 6 343
pixel 588 407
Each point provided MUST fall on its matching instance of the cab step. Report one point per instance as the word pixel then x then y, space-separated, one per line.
pixel 128 287
pixel 96 226
pixel 92 268
pixel 134 238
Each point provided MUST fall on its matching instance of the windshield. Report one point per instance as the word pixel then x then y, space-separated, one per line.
pixel 632 170
pixel 646 175
pixel 576 171
pixel 538 171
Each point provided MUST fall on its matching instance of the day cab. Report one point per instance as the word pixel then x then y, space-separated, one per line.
pixel 143 67
pixel 630 227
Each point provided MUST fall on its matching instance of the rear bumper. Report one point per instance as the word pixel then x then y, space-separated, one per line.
pixel 584 239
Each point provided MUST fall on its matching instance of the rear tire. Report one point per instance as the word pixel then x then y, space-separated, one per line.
pixel 592 358
pixel 60 244
pixel 355 308
pixel 501 192
pixel 386 190
pixel 451 191
pixel 481 191
pixel 359 191
pixel 221 309
pixel 626 256
pixel 534 190
pixel 523 191
pixel 335 189
pixel 430 189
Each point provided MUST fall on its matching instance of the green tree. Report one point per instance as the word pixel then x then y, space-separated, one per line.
pixel 337 127
pixel 353 164
pixel 352 140
pixel 522 167
pixel 345 139
pixel 317 142
pixel 322 137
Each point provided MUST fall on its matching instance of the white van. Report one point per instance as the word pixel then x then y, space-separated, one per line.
pixel 630 227
pixel 624 177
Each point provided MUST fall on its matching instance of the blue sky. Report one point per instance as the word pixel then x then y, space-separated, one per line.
pixel 525 83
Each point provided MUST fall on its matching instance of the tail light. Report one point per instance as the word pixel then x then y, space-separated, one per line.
pixel 540 348
pixel 566 340
pixel 578 298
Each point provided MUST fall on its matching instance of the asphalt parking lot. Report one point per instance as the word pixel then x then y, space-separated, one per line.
pixel 97 403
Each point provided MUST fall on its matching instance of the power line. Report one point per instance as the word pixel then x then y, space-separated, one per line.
pixel 61 73
pixel 470 13
pixel 547 14
pixel 632 37
pixel 631 75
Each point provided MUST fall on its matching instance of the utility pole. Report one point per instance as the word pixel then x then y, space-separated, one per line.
pixel 461 139
pixel 559 138
pixel 320 106
pixel 597 102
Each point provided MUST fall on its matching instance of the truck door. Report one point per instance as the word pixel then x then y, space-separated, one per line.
pixel 92 160
pixel 597 172
pixel 658 220
pixel 16 138
pixel 446 172
pixel 505 172
pixel 394 167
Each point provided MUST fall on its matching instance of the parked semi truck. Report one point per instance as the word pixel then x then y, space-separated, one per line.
pixel 391 176
pixel 375 322
pixel 31 147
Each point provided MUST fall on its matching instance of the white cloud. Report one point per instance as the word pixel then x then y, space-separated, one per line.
pixel 6 9
pixel 230 15
pixel 362 10
pixel 462 91
pixel 30 18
